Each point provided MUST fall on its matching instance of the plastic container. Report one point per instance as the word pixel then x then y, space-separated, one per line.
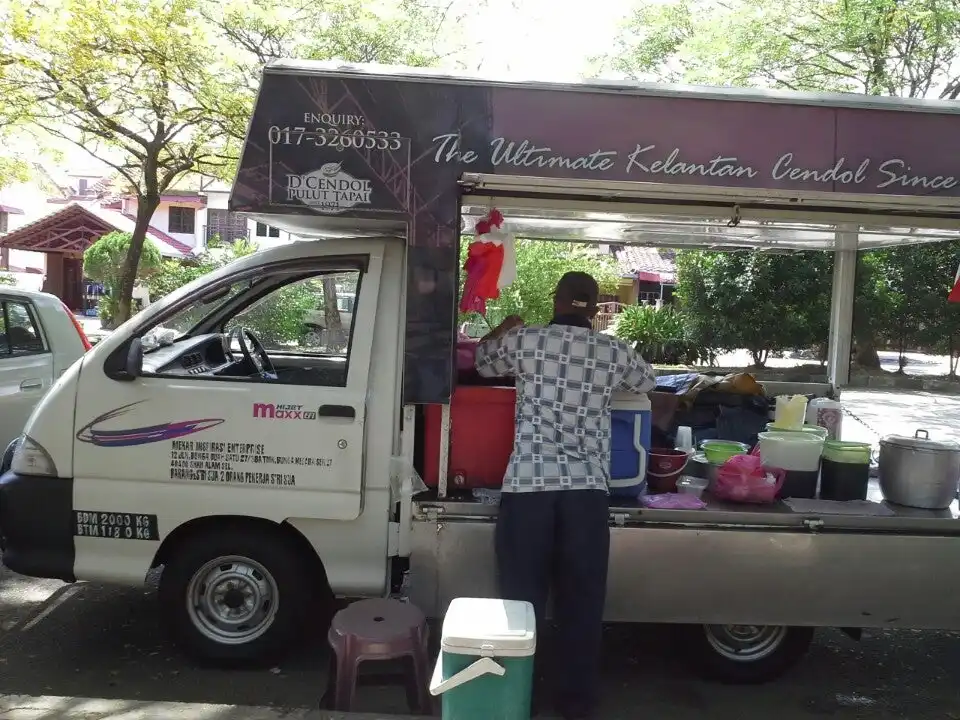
pixel 790 411
pixel 481 437
pixel 485 667
pixel 719 451
pixel 791 450
pixel 630 437
pixel 845 470
pixel 695 486
pixel 816 430
pixel 666 466
pixel 828 414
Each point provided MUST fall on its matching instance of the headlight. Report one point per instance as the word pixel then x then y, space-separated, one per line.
pixel 31 459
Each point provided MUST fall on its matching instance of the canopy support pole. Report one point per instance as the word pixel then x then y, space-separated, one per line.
pixel 841 305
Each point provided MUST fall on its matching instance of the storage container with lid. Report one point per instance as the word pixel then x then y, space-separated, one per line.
pixel 485 668
pixel 630 439
pixel 919 472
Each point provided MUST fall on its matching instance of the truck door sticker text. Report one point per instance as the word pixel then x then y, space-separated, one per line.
pixel 238 463
pixel 115 525
pixel 131 437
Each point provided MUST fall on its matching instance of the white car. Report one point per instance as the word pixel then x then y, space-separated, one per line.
pixel 39 339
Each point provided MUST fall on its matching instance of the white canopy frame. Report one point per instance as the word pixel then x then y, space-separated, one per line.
pixel 678 216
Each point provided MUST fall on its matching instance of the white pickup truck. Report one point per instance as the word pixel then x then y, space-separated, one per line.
pixel 39 339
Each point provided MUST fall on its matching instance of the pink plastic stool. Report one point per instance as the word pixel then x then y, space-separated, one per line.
pixel 379 629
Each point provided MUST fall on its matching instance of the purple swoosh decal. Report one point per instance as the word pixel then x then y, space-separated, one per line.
pixel 140 436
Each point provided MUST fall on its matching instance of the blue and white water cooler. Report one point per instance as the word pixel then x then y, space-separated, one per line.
pixel 630 428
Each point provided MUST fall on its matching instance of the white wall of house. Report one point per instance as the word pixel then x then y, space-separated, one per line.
pixel 161 221
pixel 31 198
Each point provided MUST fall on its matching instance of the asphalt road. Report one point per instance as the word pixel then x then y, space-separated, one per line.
pixel 93 641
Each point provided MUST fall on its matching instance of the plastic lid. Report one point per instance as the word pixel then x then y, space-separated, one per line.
pixel 489 627
pixel 854 453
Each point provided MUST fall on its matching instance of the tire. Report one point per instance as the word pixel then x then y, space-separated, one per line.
pixel 743 654
pixel 312 336
pixel 247 565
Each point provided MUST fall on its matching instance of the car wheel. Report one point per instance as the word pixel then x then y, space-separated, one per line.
pixel 312 336
pixel 744 654
pixel 235 598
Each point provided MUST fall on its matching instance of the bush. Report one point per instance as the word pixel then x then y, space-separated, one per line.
pixel 103 263
pixel 7 279
pixel 659 335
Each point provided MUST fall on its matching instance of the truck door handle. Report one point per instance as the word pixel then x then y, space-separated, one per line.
pixel 337 411
pixel 31 384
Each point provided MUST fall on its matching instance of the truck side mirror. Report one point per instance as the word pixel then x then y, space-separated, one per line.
pixel 125 364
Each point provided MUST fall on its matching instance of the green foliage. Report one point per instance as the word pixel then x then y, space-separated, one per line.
pixel 279 318
pixel 540 265
pixel 758 301
pixel 7 279
pixel 102 261
pixel 659 334
pixel 905 48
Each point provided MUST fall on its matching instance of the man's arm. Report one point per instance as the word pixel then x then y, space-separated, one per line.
pixel 639 376
pixel 496 354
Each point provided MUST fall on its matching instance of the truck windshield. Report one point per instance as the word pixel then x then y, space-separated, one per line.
pixel 180 323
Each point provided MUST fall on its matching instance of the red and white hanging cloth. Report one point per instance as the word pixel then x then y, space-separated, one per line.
pixel 954 295
pixel 491 264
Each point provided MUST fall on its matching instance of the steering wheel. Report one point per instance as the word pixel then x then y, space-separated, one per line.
pixel 253 352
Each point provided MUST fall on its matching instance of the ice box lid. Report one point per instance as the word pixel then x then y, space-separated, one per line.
pixel 490 627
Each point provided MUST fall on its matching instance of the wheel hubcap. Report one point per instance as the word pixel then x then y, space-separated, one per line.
pixel 745 643
pixel 232 600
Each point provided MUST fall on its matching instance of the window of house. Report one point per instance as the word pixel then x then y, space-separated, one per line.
pixel 19 334
pixel 182 220
pixel 4 222
pixel 264 230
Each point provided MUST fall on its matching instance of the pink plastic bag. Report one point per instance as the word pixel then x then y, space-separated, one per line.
pixel 743 478
pixel 672 501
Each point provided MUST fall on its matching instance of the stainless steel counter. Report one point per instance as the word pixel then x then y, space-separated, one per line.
pixel 720 514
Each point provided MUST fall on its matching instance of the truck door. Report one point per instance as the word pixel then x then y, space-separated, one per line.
pixel 208 427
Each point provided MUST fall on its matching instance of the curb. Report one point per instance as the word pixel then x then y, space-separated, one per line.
pixel 51 707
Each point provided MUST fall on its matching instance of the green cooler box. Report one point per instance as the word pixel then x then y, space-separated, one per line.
pixel 485 668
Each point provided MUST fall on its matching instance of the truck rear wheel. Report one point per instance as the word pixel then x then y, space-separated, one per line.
pixel 235 598
pixel 744 654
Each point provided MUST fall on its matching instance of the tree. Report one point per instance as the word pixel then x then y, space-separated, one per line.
pixel 402 32
pixel 128 81
pixel 904 48
pixel 540 264
pixel 7 279
pixel 758 301
pixel 103 263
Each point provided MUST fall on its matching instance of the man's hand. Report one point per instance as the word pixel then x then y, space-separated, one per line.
pixel 509 323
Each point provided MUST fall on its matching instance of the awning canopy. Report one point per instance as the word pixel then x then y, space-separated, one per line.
pixel 75 227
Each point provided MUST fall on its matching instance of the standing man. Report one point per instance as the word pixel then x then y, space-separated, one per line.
pixel 552 528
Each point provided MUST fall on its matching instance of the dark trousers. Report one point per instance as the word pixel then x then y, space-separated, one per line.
pixel 560 540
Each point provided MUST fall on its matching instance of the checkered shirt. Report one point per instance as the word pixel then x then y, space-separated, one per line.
pixel 565 376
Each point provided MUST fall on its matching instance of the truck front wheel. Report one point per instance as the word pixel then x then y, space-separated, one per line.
pixel 744 654
pixel 235 598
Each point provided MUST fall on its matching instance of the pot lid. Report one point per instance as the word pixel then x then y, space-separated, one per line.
pixel 920 441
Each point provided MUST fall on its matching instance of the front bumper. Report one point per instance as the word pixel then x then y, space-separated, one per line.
pixel 36 525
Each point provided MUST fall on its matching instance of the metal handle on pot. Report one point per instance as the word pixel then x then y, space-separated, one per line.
pixel 926 435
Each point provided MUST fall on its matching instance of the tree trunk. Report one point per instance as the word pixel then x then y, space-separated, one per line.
pixel 336 340
pixel 867 355
pixel 146 206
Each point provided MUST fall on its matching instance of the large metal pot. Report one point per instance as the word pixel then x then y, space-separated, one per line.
pixel 919 472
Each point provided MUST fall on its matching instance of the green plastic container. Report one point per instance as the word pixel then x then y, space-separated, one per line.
pixel 719 451
pixel 820 432
pixel 485 668
pixel 853 453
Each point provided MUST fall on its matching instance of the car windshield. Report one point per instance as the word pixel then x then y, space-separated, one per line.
pixel 180 323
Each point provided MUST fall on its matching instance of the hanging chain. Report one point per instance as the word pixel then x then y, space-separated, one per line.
pixel 861 421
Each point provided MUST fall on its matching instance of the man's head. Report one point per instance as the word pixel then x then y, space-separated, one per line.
pixel 577 293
